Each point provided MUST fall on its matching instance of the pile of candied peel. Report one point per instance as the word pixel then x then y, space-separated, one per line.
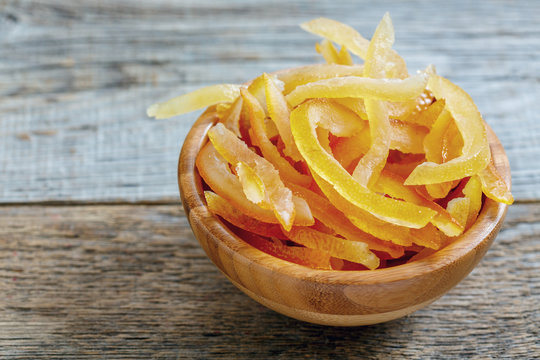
pixel 344 166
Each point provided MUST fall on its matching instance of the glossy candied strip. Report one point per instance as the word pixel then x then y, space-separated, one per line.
pixel 293 78
pixel 473 191
pixel 344 57
pixel 440 190
pixel 261 139
pixel 400 110
pixel 348 149
pixel 323 136
pixel 379 50
pixel 371 164
pixel 234 150
pixel 354 104
pixel 340 121
pixel 331 55
pixel 392 185
pixel 475 154
pixel 279 113
pixel 304 120
pixel 441 144
pixel 364 220
pixel 252 185
pixel 323 210
pixel 231 117
pixel 428 236
pixel 345 35
pixel 257 89
pixel 465 208
pixel 328 52
pixel 354 251
pixel 361 87
pixel 195 100
pixel 407 138
pixel 300 255
pixel 433 142
pixel 428 116
pixel 494 186
pixel 215 171
pixel 404 167
pixel 219 206
pixel 459 208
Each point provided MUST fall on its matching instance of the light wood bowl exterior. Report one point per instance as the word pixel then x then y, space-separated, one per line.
pixel 339 298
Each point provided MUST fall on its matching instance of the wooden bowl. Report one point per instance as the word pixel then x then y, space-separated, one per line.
pixel 339 298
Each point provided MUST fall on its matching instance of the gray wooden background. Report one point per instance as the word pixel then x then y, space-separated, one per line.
pixel 96 257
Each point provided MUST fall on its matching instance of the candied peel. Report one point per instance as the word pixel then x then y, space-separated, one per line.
pixel 341 166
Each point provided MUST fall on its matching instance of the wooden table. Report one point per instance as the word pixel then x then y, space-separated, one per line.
pixel 96 256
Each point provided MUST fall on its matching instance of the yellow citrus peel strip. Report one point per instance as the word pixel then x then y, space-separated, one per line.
pixel 343 249
pixel 304 120
pixel 195 100
pixel 360 87
pixel 370 165
pixel 345 35
pixel 475 154
pixel 262 140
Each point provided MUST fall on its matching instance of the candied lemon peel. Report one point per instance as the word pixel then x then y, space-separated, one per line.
pixel 338 163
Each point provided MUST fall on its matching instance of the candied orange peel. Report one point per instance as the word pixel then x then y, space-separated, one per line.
pixel 342 166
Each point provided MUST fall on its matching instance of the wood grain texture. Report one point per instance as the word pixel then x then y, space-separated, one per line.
pixel 76 78
pixel 117 282
pixel 122 282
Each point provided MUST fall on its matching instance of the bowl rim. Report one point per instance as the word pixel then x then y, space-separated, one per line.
pixel 477 236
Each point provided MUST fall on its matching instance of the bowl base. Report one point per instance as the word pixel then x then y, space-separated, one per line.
pixel 332 319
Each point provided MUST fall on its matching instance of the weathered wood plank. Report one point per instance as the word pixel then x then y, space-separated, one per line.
pixel 76 77
pixel 117 282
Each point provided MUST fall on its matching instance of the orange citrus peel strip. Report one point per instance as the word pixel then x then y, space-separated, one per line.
pixel 215 171
pixel 234 150
pixel 220 206
pixel 312 258
pixel 340 248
